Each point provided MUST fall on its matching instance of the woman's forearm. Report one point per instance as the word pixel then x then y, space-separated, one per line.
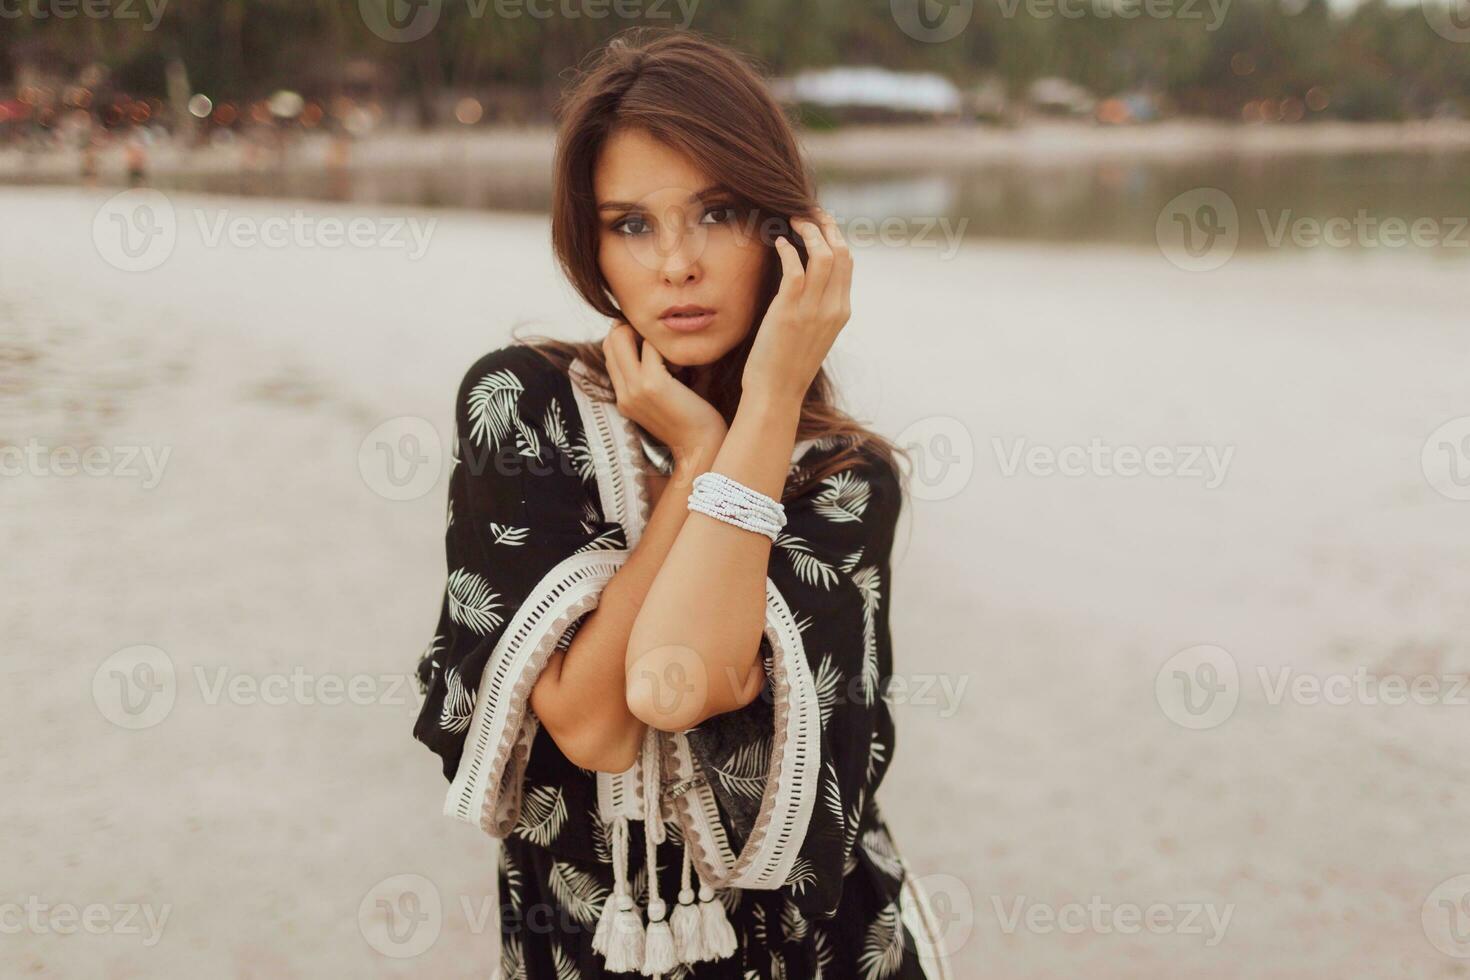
pixel 580 696
pixel 693 649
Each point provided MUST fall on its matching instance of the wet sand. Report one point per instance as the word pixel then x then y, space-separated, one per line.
pixel 1049 602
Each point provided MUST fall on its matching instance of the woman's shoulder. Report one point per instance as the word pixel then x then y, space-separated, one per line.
pixel 517 378
pixel 523 366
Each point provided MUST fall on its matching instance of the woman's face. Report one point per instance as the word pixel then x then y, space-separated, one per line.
pixel 669 237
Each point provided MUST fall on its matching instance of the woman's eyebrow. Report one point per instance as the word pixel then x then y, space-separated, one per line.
pixel 712 191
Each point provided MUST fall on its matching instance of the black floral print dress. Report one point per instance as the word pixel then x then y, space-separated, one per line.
pixel 769 857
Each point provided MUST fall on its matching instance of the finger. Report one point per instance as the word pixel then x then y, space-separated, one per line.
pixel 793 277
pixel 819 257
pixel 612 354
pixel 839 285
pixel 652 359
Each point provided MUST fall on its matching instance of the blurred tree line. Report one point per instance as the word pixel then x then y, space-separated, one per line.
pixel 1377 61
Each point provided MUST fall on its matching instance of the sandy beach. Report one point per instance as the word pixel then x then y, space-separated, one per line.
pixel 1046 773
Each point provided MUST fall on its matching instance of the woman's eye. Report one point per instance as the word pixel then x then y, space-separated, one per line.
pixel 622 226
pixel 727 212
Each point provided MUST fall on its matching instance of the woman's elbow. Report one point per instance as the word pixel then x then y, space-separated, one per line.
pixel 679 705
pixel 598 750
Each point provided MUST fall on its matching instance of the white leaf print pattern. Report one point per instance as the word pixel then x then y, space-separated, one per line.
pixel 880 850
pixel 601 839
pixel 833 795
pixel 758 927
pixel 744 773
pixel 513 882
pixel 566 967
pixel 828 679
pixel 823 946
pixel 527 442
pixel 492 408
pixel 877 752
pixel 555 426
pixel 870 584
pixel 459 704
pixel 543 811
pixel 844 498
pixel 508 535
pixel 606 541
pixel 853 822
pixel 472 603
pixel 802 874
pixel 882 946
pixel 793 923
pixel 577 891
pixel 512 959
pixel 808 567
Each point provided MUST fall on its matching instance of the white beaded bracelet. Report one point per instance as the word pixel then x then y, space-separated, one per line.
pixel 722 498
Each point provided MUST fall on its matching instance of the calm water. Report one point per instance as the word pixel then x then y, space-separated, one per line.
pixel 1384 202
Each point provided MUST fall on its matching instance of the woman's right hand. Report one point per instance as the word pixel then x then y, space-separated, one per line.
pixel 648 394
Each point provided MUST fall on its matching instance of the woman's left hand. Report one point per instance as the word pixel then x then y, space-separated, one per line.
pixel 810 309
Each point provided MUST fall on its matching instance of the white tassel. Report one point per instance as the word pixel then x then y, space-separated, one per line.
pixel 658 950
pixel 625 954
pixel 719 935
pixel 688 935
pixel 619 936
pixel 605 922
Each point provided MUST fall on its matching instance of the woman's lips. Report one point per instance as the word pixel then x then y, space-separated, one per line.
pixel 687 323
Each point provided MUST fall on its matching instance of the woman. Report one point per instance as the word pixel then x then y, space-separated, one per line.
pixel 658 667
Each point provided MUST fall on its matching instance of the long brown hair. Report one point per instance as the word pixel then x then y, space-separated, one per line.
pixel 709 102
